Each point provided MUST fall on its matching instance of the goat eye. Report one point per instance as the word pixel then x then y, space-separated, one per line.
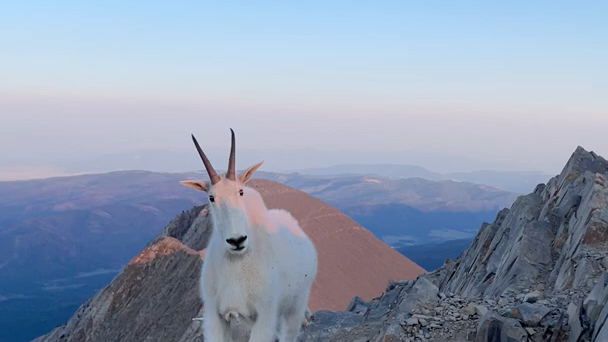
pixel 211 198
pixel 241 192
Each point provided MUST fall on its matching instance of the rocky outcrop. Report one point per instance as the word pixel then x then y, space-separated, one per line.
pixel 552 237
pixel 156 297
pixel 537 273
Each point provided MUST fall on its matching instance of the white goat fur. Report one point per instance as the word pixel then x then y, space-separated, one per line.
pixel 268 282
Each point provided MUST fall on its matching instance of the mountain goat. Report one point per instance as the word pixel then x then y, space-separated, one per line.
pixel 259 264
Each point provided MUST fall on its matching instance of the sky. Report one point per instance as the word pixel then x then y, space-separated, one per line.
pixel 450 85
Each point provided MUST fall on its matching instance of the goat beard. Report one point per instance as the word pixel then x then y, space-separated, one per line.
pixel 237 256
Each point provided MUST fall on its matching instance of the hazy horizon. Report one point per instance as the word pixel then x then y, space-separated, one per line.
pixel 187 160
pixel 447 86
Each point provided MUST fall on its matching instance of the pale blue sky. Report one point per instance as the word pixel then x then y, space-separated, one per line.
pixel 499 82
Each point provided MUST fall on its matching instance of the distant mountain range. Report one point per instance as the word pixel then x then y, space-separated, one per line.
pixel 63 238
pixel 404 212
pixel 514 181
pixel 422 194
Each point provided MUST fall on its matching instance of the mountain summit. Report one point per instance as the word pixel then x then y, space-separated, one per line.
pixel 155 297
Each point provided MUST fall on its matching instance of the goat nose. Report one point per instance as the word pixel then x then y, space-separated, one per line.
pixel 237 242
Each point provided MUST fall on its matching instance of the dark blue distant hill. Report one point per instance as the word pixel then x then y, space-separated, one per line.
pixel 398 224
pixel 431 256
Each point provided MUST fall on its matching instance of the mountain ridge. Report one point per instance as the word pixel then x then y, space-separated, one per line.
pixel 515 181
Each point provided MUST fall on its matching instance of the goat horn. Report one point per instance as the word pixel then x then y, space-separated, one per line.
pixel 212 174
pixel 231 173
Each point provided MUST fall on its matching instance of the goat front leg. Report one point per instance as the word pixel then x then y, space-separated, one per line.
pixel 292 327
pixel 264 328
pixel 293 319
pixel 215 329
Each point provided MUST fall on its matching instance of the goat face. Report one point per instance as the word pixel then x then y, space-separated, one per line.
pixel 230 215
pixel 227 201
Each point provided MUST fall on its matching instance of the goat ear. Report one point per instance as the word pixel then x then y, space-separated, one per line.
pixel 246 174
pixel 196 184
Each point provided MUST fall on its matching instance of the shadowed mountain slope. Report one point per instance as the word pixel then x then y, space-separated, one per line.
pixel 432 255
pixel 156 295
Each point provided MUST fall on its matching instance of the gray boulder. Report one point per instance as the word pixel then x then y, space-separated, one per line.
pixel 326 323
pixel 495 328
pixel 530 314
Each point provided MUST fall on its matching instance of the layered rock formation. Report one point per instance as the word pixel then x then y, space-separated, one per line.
pixel 155 297
pixel 537 273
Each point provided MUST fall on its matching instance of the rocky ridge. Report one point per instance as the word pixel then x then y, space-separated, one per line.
pixel 537 273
